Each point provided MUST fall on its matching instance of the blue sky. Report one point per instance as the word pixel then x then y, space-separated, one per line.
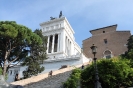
pixel 83 15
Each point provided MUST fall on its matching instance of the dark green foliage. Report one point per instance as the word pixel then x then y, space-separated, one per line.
pixel 129 53
pixel 74 79
pixel 0 71
pixel 130 43
pixel 33 68
pixel 41 49
pixel 14 40
pixel 38 54
pixel 113 73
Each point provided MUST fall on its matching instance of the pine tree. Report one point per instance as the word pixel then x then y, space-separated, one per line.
pixel 36 58
pixel 14 40
pixel 129 53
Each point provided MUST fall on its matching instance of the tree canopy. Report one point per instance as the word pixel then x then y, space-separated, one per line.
pixel 129 53
pixel 0 71
pixel 38 54
pixel 14 42
pixel 113 73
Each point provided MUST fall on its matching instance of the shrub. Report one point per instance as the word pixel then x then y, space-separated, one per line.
pixel 74 79
pixel 0 71
pixel 113 73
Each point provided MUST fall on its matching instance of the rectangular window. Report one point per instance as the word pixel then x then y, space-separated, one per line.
pixel 15 72
pixel 108 56
pixel 11 72
pixel 60 25
pixel 57 26
pixel 105 41
pixel 47 28
pixel 52 27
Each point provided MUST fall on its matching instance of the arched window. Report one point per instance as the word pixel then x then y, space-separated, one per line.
pixel 107 54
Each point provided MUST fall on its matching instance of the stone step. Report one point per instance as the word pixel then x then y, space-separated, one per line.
pixel 54 81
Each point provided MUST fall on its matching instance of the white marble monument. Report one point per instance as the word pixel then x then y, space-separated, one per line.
pixel 61 47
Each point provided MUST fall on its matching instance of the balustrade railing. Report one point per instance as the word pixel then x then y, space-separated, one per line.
pixel 64 58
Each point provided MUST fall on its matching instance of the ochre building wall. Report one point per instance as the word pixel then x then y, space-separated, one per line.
pixel 116 41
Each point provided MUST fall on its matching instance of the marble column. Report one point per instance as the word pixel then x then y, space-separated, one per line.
pixel 53 43
pixel 66 44
pixel 68 47
pixel 58 47
pixel 48 43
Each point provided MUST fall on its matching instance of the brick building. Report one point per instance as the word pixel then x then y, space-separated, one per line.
pixel 109 42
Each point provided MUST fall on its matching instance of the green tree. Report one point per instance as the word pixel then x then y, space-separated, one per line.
pixel 38 54
pixel 0 71
pixel 14 40
pixel 113 73
pixel 129 54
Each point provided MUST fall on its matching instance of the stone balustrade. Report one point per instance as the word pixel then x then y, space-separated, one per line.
pixel 64 58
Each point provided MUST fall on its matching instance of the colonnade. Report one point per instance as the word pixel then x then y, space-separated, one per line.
pixel 68 46
pixel 53 43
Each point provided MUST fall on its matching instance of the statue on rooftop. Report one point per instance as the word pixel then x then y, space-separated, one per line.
pixel 60 15
pixel 52 18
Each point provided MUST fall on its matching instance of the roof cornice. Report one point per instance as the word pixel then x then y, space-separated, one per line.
pixel 103 27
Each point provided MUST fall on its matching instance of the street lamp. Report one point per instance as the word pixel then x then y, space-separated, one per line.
pixel 94 51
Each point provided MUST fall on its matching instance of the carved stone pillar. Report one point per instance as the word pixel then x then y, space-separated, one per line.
pixel 58 47
pixel 69 47
pixel 48 43
pixel 53 43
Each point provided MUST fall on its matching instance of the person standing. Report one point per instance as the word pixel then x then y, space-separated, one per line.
pixel 16 77
pixel 82 67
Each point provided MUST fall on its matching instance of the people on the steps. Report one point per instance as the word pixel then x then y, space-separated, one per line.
pixel 16 77
pixel 82 67
pixel 50 73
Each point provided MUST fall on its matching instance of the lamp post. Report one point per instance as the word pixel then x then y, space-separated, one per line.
pixel 94 51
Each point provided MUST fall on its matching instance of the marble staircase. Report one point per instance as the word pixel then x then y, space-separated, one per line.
pixel 43 81
pixel 54 81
